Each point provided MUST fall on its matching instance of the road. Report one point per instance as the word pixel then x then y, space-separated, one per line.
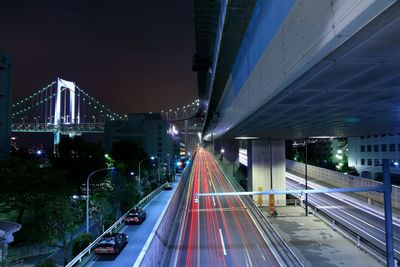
pixel 137 234
pixel 218 231
pixel 354 214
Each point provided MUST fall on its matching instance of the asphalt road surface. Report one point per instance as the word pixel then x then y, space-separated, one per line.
pixel 218 231
pixel 354 214
pixel 137 234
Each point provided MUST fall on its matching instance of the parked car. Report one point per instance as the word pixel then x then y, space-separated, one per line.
pixel 111 243
pixel 135 216
pixel 167 186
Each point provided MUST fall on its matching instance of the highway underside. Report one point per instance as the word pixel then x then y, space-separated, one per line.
pixel 217 231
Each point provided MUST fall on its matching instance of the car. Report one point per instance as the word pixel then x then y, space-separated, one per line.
pixel 167 186
pixel 111 243
pixel 135 216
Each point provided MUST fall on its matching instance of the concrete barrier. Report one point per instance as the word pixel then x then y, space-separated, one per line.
pixel 338 179
pixel 153 251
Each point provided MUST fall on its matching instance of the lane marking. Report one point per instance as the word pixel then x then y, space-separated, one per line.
pixel 222 241
pixel 214 201
pixel 358 228
pixel 332 206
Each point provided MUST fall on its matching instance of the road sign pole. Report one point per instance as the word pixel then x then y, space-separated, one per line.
pixel 387 195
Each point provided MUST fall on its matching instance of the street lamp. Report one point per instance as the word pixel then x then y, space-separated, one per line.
pixel 140 162
pixel 88 195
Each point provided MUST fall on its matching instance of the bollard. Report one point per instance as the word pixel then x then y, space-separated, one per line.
pixel 358 241
pixel 333 225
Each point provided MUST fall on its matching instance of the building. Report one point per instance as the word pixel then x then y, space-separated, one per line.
pixel 149 130
pixel 5 106
pixel 366 154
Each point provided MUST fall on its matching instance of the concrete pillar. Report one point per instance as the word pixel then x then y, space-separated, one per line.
pixel 266 159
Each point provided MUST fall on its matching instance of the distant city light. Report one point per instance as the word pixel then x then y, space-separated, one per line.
pixel 132 173
pixel 39 152
pixel 152 157
pixel 222 151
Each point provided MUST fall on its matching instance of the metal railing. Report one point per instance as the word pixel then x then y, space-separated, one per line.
pixel 64 128
pixel 86 252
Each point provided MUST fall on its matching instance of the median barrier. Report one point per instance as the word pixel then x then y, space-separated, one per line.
pixel 153 251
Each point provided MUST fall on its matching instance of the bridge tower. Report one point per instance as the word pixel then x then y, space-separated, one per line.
pixel 67 89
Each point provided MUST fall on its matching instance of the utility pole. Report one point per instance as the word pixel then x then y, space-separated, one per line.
pixel 306 178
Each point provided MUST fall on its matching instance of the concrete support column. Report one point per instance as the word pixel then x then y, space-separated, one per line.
pixel 266 168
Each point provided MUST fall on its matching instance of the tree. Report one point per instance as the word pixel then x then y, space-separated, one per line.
pixel 47 263
pixel 26 186
pixel 128 154
pixel 62 219
pixel 79 158
pixel 80 243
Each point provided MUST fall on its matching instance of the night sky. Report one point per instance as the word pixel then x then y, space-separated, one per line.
pixel 134 56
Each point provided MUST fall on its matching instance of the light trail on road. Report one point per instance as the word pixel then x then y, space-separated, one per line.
pixel 218 231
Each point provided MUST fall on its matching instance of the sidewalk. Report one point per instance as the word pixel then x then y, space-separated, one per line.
pixel 315 243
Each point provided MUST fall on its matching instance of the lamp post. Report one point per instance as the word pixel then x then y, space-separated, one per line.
pixel 88 195
pixel 140 163
pixel 306 176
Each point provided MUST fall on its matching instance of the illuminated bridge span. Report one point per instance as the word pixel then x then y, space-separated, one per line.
pixel 61 105
pixel 194 110
pixel 61 108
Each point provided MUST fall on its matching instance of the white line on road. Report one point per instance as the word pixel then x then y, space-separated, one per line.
pixel 214 201
pixel 222 241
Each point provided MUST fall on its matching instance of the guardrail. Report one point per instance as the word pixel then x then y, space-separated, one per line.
pixel 86 252
pixel 354 233
pixel 338 179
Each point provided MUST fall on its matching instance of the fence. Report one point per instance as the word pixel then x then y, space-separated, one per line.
pixel 338 179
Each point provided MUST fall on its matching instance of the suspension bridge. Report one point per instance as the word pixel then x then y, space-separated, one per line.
pixel 63 108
